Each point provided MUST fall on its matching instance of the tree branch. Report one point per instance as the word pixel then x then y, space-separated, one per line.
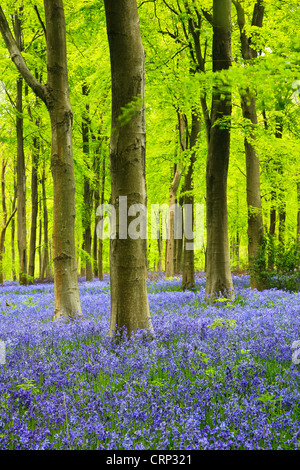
pixel 10 217
pixel 40 20
pixel 170 8
pixel 208 16
pixel 16 56
pixel 240 14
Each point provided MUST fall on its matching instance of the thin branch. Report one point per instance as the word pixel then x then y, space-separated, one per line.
pixel 207 16
pixel 36 36
pixel 10 99
pixel 40 20
pixel 146 1
pixel 170 8
pixel 10 217
pixel 16 56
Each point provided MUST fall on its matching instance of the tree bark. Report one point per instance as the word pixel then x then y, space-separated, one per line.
pixel 129 298
pixel 248 103
pixel 67 301
pixel 188 272
pixel 170 245
pixel 34 208
pixel 100 245
pixel 34 194
pixel 45 251
pixel 87 192
pixel 170 256
pixel 5 221
pixel 298 214
pixel 56 97
pixel 218 277
pixel 21 178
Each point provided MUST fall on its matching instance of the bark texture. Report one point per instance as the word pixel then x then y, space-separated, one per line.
pixel 129 299
pixel 56 97
pixel 188 272
pixel 67 302
pixel 219 279
pixel 248 103
pixel 21 179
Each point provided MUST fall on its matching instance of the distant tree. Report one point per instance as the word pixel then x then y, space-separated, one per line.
pixel 248 103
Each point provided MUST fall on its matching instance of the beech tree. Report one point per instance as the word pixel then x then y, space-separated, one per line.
pixel 128 265
pixel 219 279
pixel 248 103
pixel 55 94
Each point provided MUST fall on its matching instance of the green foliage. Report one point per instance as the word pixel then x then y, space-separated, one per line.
pixel 278 265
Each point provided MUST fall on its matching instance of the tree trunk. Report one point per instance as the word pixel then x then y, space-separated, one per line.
pixel 129 298
pixel 298 214
pixel 248 103
pixel 179 241
pixel 280 190
pixel 170 245
pixel 174 217
pixel 272 229
pixel 5 222
pixel 255 220
pixel 67 302
pixel 34 206
pixel 13 230
pixel 219 279
pixel 87 192
pixel 56 97
pixel 159 247
pixel 21 179
pixel 188 272
pixel 45 251
pixel 100 245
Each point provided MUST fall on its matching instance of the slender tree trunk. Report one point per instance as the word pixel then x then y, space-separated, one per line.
pixel 129 299
pixel 100 245
pixel 248 103
pixel 34 207
pixel 87 192
pixel 21 179
pixel 174 217
pixel 219 279
pixel 280 190
pixel 255 220
pixel 40 242
pixel 179 241
pixel 272 229
pixel 13 230
pixel 46 259
pixel 160 248
pixel 170 245
pixel 188 273
pixel 95 238
pixel 298 213
pixel 5 221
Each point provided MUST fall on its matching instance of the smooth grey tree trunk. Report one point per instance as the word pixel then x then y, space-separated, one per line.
pixel 129 298
pixel 56 97
pixel 218 276
pixel 248 103
pixel 87 191
pixel 188 272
